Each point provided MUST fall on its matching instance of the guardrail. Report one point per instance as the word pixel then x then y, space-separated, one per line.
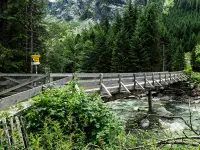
pixel 102 83
pixel 105 84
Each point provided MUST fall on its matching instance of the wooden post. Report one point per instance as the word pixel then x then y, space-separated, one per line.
pixel 134 75
pixel 180 76
pixel 19 131
pixel 170 76
pixel 145 80
pixel 101 81
pixel 150 102
pixel 120 80
pixel 153 78
pixel 165 77
pixel 74 76
pixel 160 78
pixel 47 80
pixel 175 76
pixel 25 135
pixel 5 127
pixel 50 78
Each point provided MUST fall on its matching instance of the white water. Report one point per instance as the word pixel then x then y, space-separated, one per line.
pixel 128 109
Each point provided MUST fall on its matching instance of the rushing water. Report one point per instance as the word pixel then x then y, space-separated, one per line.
pixel 127 109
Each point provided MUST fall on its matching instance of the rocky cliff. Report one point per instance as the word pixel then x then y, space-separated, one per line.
pixel 68 10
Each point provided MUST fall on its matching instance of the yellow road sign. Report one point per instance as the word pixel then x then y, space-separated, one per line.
pixel 36 59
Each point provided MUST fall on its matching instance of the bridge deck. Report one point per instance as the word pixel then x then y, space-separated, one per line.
pixel 102 83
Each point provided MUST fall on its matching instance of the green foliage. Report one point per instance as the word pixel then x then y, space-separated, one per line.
pixel 196 58
pixel 63 53
pixel 196 77
pixel 17 21
pixel 82 117
pixel 131 43
pixel 50 137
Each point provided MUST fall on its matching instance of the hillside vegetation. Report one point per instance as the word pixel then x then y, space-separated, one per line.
pixel 149 37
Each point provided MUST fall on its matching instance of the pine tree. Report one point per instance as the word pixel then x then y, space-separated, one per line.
pixel 146 40
pixel 122 52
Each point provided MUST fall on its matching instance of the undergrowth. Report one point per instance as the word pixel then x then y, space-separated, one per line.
pixel 66 119
pixel 78 117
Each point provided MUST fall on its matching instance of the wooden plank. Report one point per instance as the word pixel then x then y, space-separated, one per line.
pixel 93 90
pixel 9 94
pixel 63 81
pixel 24 132
pixel 174 79
pixel 19 131
pixel 9 101
pixel 149 83
pixel 153 79
pixel 170 76
pixel 101 82
pixel 134 76
pixel 21 85
pixel 145 80
pixel 12 127
pixel 104 87
pixel 139 85
pixel 158 83
pixel 16 81
pixel 3 83
pixel 164 82
pixel 5 127
pixel 20 75
pixel 110 75
pixel 122 84
pixel 160 77
pixel 53 75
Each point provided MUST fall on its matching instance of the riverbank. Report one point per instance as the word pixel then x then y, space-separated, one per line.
pixel 172 114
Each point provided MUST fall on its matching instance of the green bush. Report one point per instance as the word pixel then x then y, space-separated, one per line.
pixel 51 137
pixel 196 58
pixel 82 116
pixel 196 77
pixel 188 70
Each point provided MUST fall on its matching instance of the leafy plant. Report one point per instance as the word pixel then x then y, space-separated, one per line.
pixel 81 116
pixel 50 137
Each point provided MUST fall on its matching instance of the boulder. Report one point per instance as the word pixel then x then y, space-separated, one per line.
pixel 161 111
pixel 145 123
pixel 165 98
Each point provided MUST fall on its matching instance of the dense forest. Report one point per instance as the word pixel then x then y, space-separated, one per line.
pixel 150 36
pixel 123 36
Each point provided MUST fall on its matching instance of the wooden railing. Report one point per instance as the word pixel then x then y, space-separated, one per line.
pixel 102 83
pixel 108 83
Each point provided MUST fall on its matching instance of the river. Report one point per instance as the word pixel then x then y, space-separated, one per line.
pixel 134 110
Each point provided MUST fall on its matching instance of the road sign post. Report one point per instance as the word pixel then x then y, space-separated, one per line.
pixel 36 61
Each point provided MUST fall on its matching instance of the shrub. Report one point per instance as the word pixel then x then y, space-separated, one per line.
pixel 81 116
pixel 196 58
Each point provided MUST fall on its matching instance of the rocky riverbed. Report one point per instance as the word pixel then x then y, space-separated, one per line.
pixel 171 113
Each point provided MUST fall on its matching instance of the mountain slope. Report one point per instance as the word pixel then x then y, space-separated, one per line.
pixel 74 10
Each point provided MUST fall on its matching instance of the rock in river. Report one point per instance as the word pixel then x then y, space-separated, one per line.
pixel 161 111
pixel 145 123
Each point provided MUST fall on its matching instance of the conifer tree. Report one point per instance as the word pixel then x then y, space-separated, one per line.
pixel 146 40
pixel 122 52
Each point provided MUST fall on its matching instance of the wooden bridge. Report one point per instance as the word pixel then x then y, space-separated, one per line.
pixel 17 87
